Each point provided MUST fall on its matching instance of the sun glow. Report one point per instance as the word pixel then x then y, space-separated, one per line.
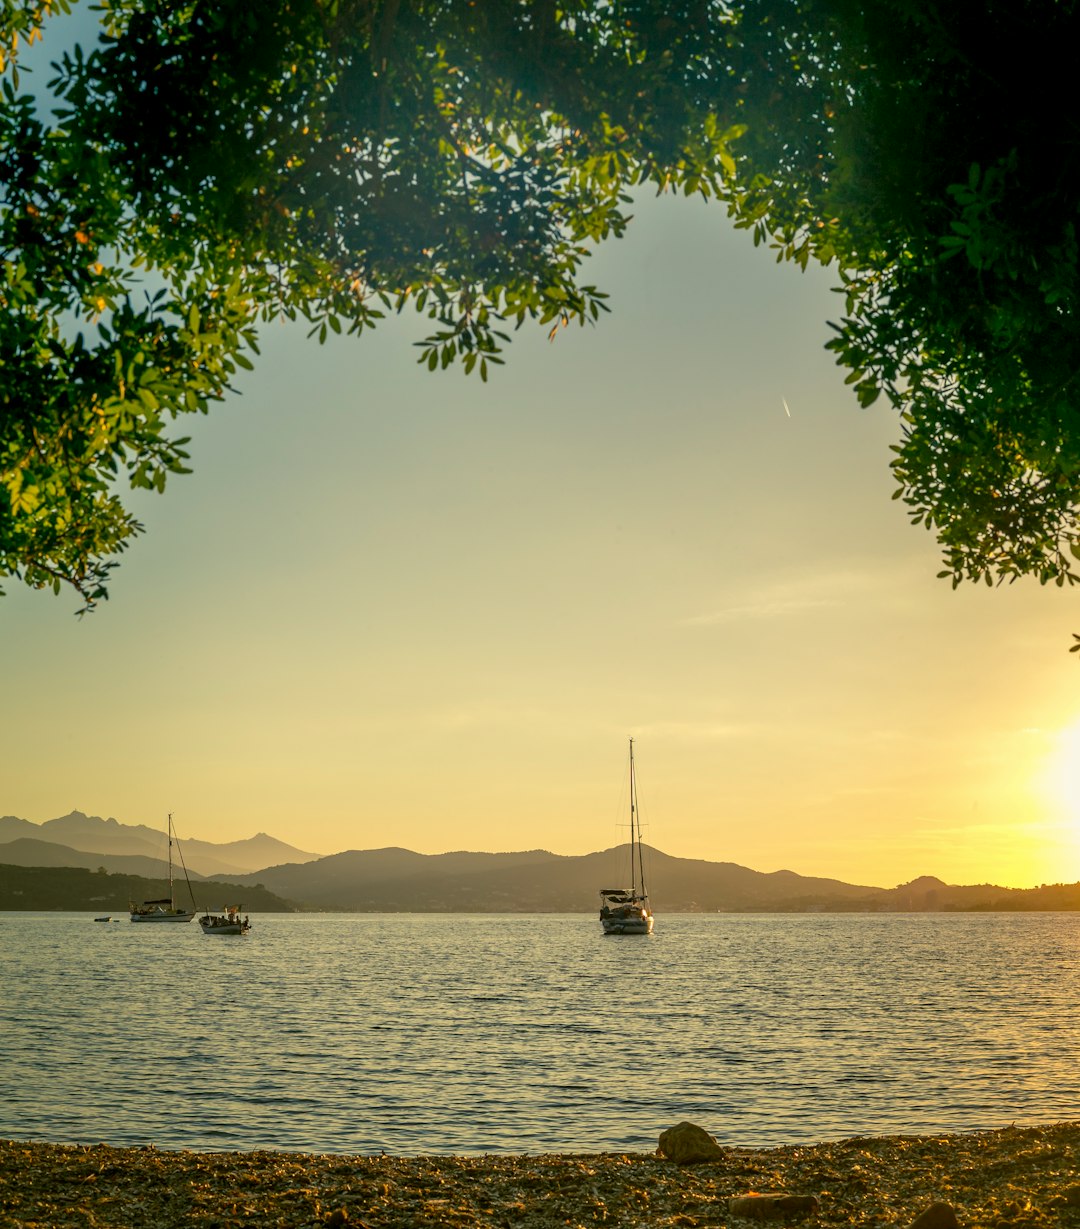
pixel 1064 776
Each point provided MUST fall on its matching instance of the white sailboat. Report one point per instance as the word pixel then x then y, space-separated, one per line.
pixel 164 910
pixel 625 911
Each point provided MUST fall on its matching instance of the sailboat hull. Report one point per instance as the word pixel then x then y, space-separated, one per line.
pixel 638 924
pixel 622 917
pixel 178 916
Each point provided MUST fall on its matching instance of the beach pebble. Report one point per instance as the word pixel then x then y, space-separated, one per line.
pixel 936 1216
pixel 772 1207
pixel 687 1144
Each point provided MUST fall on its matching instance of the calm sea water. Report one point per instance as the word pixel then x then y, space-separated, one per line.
pixel 467 1034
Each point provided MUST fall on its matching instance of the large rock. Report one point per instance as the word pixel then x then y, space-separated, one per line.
pixel 936 1216
pixel 772 1207
pixel 687 1144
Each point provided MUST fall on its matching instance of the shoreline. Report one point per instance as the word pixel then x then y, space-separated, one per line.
pixel 1026 1177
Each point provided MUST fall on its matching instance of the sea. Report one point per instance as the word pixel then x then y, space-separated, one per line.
pixel 425 1034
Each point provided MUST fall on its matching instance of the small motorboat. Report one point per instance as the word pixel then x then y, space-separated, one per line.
pixel 228 922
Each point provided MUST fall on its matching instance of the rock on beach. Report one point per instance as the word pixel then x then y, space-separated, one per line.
pixel 688 1144
pixel 937 1216
pixel 1018 1177
pixel 772 1207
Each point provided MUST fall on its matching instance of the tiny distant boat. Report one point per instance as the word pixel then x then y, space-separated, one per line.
pixel 103 919
pixel 166 909
pixel 625 911
pixel 228 922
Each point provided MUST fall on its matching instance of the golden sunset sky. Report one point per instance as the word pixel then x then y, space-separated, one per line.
pixel 397 608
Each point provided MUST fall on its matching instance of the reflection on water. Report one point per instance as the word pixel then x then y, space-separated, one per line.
pixel 459 1034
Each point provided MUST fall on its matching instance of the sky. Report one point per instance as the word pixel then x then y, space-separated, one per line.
pixel 392 607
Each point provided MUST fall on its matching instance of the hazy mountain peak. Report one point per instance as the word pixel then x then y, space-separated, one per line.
pixel 90 834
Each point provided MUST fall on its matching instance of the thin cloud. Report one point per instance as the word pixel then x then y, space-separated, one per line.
pixel 817 592
pixel 776 609
pixel 699 731
pixel 484 715
pixel 1012 833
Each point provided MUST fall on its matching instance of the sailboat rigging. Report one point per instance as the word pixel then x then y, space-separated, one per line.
pixel 625 911
pixel 165 910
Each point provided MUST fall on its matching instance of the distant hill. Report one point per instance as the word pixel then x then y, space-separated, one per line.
pixel 398 880
pixel 929 895
pixel 93 835
pixel 76 888
pixel 27 851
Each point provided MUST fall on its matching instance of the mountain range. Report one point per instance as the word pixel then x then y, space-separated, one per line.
pixel 389 880
pixel 108 843
pixel 392 880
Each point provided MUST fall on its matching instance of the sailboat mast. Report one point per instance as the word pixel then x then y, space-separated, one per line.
pixel 637 872
pixel 633 812
pixel 171 899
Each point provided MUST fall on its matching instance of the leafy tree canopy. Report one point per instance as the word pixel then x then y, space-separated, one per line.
pixel 212 164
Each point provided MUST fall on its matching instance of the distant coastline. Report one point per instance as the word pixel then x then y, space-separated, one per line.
pixel 70 888
pixel 85 862
pixel 76 889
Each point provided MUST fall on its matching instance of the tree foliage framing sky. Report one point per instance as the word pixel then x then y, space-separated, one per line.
pixel 209 167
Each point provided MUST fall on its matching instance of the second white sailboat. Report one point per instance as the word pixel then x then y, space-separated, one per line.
pixel 625 911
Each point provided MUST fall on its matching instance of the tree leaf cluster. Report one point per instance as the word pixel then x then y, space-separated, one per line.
pixel 946 187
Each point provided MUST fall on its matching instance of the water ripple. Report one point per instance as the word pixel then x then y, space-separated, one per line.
pixel 427 1034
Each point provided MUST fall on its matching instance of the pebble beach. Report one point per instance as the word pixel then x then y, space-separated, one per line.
pixel 1006 1179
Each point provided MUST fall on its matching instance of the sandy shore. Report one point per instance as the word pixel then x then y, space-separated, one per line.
pixel 1011 1179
